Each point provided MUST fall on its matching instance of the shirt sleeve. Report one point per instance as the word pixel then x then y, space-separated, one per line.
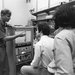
pixel 63 58
pixel 37 56
pixel 2 34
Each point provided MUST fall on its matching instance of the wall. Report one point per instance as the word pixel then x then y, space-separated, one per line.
pixel 20 11
pixel 56 2
pixel 44 4
pixel 0 5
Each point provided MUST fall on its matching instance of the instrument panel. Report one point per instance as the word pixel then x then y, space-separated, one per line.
pixel 24 45
pixel 23 53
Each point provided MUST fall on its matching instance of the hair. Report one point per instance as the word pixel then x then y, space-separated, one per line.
pixel 5 12
pixel 65 16
pixel 44 28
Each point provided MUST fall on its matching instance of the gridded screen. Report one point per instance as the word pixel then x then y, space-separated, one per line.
pixel 24 39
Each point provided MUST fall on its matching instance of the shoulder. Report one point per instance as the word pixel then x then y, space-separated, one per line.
pixel 38 44
pixel 64 34
pixel 51 38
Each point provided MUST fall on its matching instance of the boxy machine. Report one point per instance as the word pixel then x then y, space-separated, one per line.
pixel 20 50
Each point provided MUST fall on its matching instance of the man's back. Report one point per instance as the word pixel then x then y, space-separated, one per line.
pixel 63 51
pixel 46 45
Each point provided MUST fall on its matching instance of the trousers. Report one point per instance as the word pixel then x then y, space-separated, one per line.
pixel 29 70
pixel 4 66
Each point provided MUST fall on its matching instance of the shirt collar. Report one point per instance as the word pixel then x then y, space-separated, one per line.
pixel 44 37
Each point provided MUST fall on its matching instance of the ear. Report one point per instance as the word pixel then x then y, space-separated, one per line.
pixel 41 32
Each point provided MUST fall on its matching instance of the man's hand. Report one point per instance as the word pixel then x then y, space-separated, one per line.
pixel 22 34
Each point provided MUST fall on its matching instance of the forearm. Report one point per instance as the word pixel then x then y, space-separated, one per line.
pixel 8 38
pixel 35 62
pixel 37 56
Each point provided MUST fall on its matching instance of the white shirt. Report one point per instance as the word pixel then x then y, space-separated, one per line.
pixel 43 52
pixel 64 46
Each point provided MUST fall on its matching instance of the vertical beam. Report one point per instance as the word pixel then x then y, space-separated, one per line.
pixel 3 4
pixel 36 5
pixel 48 3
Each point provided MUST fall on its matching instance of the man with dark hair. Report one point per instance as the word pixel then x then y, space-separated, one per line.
pixel 64 41
pixel 43 53
pixel 5 11
pixel 5 17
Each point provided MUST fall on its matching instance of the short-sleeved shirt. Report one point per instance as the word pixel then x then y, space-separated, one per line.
pixel 43 50
pixel 64 48
pixel 2 34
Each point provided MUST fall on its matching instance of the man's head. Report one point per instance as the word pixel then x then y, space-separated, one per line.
pixel 43 28
pixel 5 15
pixel 65 16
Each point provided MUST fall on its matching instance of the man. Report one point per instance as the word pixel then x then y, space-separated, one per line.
pixel 64 41
pixel 43 53
pixel 5 17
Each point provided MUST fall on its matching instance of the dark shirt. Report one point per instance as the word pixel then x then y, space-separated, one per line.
pixel 2 34
pixel 4 65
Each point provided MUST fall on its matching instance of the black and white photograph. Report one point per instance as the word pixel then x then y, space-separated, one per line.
pixel 37 37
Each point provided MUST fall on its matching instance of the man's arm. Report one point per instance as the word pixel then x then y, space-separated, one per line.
pixel 8 38
pixel 37 56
